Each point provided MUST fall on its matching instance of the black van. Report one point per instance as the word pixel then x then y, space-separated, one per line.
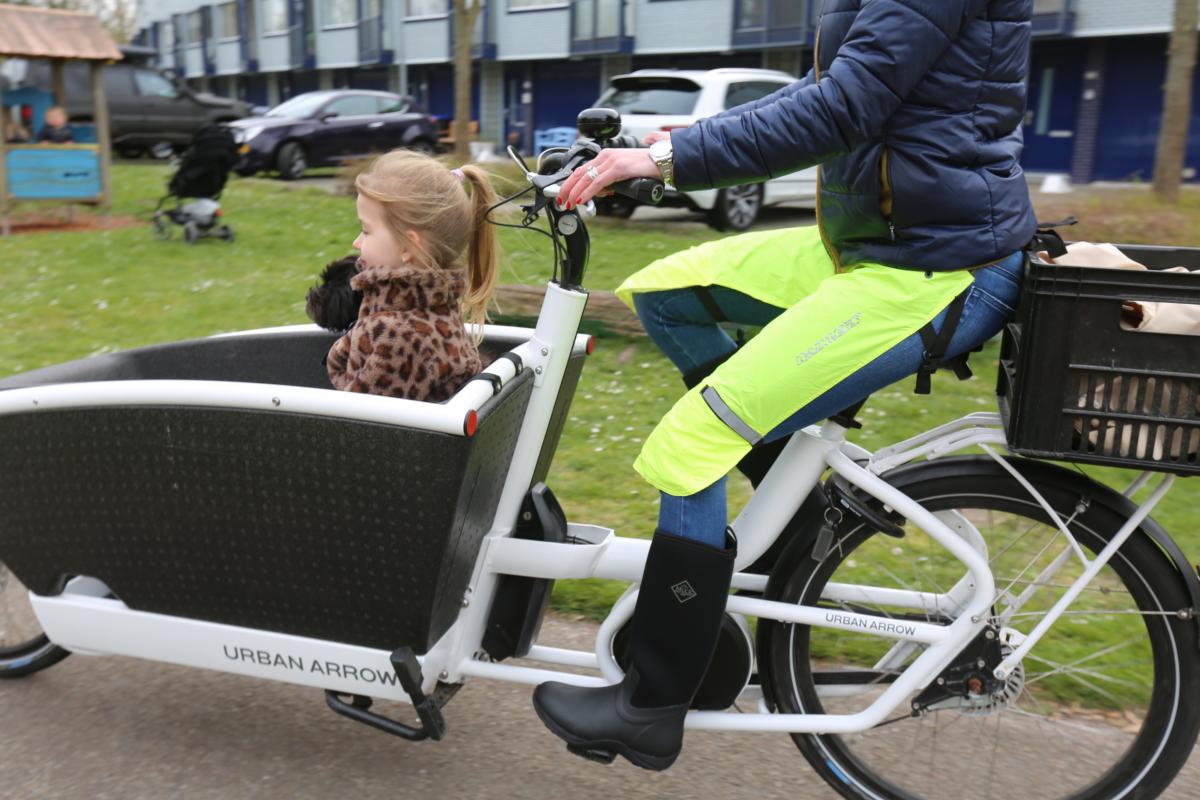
pixel 148 110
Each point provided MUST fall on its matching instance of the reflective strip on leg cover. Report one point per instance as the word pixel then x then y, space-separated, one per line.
pixel 848 321
pixel 726 415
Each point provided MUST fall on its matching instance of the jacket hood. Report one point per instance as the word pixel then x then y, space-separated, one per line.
pixel 408 287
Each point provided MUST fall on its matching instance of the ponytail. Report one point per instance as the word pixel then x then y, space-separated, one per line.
pixel 481 248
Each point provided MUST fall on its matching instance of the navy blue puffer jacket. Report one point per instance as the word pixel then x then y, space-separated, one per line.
pixel 914 110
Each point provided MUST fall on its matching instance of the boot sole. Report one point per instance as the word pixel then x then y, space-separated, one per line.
pixel 603 750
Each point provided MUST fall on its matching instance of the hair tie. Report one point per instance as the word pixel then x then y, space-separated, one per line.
pixel 458 173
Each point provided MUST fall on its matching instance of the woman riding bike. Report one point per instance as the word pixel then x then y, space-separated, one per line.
pixel 913 109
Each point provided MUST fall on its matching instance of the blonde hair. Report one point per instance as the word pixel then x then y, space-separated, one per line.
pixel 420 194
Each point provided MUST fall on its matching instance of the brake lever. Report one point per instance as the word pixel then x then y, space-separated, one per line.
pixel 586 210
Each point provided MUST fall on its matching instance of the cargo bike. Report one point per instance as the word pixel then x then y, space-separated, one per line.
pixel 951 616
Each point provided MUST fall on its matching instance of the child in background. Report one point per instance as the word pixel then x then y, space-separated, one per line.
pixel 418 219
pixel 54 127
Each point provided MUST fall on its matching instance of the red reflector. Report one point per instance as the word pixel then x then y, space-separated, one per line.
pixel 471 423
pixel 591 345
pixel 671 127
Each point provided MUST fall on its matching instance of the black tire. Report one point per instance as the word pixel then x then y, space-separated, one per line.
pixel 226 233
pixel 190 232
pixel 1136 663
pixel 162 150
pixel 162 228
pixel 130 150
pixel 615 207
pixel 290 161
pixel 423 146
pixel 24 648
pixel 737 207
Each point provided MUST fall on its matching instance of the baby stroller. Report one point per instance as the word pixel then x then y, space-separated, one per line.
pixel 201 176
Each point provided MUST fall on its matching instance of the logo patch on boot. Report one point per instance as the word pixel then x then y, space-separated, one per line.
pixel 683 591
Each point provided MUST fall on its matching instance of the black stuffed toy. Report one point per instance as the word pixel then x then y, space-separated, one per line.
pixel 332 304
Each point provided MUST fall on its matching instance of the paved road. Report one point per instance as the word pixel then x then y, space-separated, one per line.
pixel 117 728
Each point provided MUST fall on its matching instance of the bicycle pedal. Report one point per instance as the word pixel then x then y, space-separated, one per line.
pixel 591 754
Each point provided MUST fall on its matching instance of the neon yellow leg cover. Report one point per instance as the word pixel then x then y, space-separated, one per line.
pixel 834 325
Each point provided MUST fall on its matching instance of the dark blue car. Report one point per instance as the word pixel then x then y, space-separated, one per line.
pixel 321 129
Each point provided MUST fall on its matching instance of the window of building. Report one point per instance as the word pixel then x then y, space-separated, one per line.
pixel 428 8
pixel 752 14
pixel 339 12
pixel 748 92
pixel 227 21
pixel 519 4
pixel 194 28
pixel 151 84
pixel 275 16
pixel 355 105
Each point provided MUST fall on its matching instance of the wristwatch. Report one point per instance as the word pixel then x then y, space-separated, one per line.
pixel 663 155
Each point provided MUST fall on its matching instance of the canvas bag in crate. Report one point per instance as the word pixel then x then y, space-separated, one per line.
pixel 1121 394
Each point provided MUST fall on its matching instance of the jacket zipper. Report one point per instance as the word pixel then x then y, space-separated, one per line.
pixel 885 193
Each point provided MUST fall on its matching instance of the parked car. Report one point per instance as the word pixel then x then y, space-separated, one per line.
pixel 318 129
pixel 148 110
pixel 658 99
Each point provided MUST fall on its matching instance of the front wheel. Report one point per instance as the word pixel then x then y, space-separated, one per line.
pixel 737 207
pixel 290 161
pixel 1104 706
pixel 24 648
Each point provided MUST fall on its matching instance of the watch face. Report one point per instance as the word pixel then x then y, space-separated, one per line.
pixel 661 149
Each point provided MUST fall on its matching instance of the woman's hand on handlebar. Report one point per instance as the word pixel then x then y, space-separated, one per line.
pixel 611 166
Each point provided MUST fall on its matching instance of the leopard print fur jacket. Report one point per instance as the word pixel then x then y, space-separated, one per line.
pixel 409 340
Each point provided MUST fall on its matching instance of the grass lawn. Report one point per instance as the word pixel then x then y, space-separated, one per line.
pixel 69 295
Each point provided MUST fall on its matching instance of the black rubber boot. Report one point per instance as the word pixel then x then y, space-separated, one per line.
pixel 674 631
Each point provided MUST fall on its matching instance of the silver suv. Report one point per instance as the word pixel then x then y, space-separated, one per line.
pixel 661 99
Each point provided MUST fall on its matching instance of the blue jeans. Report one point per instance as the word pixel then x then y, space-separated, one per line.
pixel 686 332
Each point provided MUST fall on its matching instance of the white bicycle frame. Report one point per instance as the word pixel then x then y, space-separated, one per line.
pixel 84 620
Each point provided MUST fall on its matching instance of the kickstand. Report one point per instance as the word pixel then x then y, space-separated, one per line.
pixel 408 670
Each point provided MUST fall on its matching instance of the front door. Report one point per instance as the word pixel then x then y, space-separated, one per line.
pixel 1052 108
pixel 342 130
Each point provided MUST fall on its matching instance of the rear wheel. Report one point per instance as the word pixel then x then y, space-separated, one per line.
pixel 225 232
pixel 190 232
pixel 290 161
pixel 737 207
pixel 423 146
pixel 24 648
pixel 1102 707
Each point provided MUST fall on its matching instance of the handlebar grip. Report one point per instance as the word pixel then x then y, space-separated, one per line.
pixel 647 191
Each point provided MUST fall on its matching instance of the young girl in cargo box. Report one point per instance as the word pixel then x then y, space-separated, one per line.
pixel 427 262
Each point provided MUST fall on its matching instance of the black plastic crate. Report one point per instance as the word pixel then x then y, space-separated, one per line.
pixel 1074 386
